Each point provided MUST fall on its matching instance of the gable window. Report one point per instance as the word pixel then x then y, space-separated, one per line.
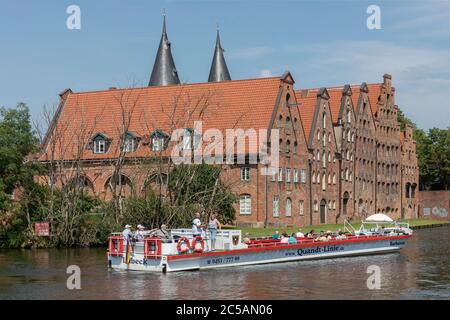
pixel 288 147
pixel 276 206
pixel 303 176
pixel 288 207
pixel 295 175
pixel 349 116
pixel 245 204
pixel 280 174
pixel 288 175
pixel 245 174
pixel 324 120
pixel 295 148
pixel 301 207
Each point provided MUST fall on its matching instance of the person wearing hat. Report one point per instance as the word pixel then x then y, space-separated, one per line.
pixel 139 236
pixel 126 233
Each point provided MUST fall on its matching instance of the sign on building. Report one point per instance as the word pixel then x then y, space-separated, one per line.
pixel 42 229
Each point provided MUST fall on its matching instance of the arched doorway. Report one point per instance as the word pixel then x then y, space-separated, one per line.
pixel 323 208
pixel 345 198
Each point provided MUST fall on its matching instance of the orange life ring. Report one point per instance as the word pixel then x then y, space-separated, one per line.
pixel 185 248
pixel 198 239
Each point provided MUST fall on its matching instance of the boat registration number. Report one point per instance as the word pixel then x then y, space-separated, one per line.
pixel 222 260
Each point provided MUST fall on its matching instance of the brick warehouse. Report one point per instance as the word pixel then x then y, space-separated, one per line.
pixel 342 153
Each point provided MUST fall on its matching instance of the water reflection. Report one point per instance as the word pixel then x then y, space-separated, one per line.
pixel 420 271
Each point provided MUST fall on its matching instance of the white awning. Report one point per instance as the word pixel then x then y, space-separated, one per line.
pixel 379 217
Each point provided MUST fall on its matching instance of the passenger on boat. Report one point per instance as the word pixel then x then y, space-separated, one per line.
pixel 322 237
pixel 284 238
pixel 213 226
pixel 299 234
pixel 310 235
pixel 139 234
pixel 197 226
pixel 246 239
pixel 292 239
pixel 162 232
pixel 126 233
pixel 276 235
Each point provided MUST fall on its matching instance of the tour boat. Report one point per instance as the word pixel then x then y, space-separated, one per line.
pixel 182 251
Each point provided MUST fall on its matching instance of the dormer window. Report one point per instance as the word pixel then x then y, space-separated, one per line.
pixel 129 142
pixel 99 144
pixel 158 141
pixel 188 139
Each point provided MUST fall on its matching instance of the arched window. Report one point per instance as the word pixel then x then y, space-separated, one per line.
pixel 288 147
pixel 288 207
pixel 288 123
pixel 245 204
pixel 349 116
pixel 329 178
pixel 334 178
pixel 324 120
pixel 324 139
pixel 324 160
pixel 318 135
pixel 314 177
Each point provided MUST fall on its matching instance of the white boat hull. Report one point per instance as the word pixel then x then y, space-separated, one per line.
pixel 259 255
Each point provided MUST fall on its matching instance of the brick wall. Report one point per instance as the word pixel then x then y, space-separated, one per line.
pixel 434 205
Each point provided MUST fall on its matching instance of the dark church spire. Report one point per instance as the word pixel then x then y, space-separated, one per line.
pixel 164 71
pixel 219 70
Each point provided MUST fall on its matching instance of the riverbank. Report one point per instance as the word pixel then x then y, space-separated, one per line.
pixel 263 232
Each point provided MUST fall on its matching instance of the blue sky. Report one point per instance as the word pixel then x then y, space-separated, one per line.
pixel 323 43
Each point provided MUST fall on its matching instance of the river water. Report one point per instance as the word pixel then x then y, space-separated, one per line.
pixel 419 271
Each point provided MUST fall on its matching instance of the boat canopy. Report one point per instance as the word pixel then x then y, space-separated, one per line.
pixel 379 217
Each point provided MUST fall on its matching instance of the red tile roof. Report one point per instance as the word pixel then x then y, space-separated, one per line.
pixel 307 106
pixel 224 105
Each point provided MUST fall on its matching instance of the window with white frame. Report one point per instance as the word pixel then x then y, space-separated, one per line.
pixel 157 143
pixel 129 144
pixel 245 174
pixel 303 176
pixel 276 206
pixel 301 207
pixel 324 160
pixel 295 175
pixel 280 174
pixel 324 184
pixel 99 145
pixel 324 119
pixel 187 139
pixel 245 204
pixel 288 207
pixel 288 175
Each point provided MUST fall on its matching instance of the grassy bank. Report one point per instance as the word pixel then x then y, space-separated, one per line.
pixel 261 232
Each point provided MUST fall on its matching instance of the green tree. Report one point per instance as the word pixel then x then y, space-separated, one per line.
pixel 17 170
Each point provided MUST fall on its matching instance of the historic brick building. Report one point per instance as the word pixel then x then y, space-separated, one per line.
pixel 342 154
pixel 409 174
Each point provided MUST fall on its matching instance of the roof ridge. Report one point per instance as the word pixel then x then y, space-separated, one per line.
pixel 179 85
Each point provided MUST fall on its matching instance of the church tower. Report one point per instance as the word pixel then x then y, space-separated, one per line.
pixel 164 72
pixel 219 70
